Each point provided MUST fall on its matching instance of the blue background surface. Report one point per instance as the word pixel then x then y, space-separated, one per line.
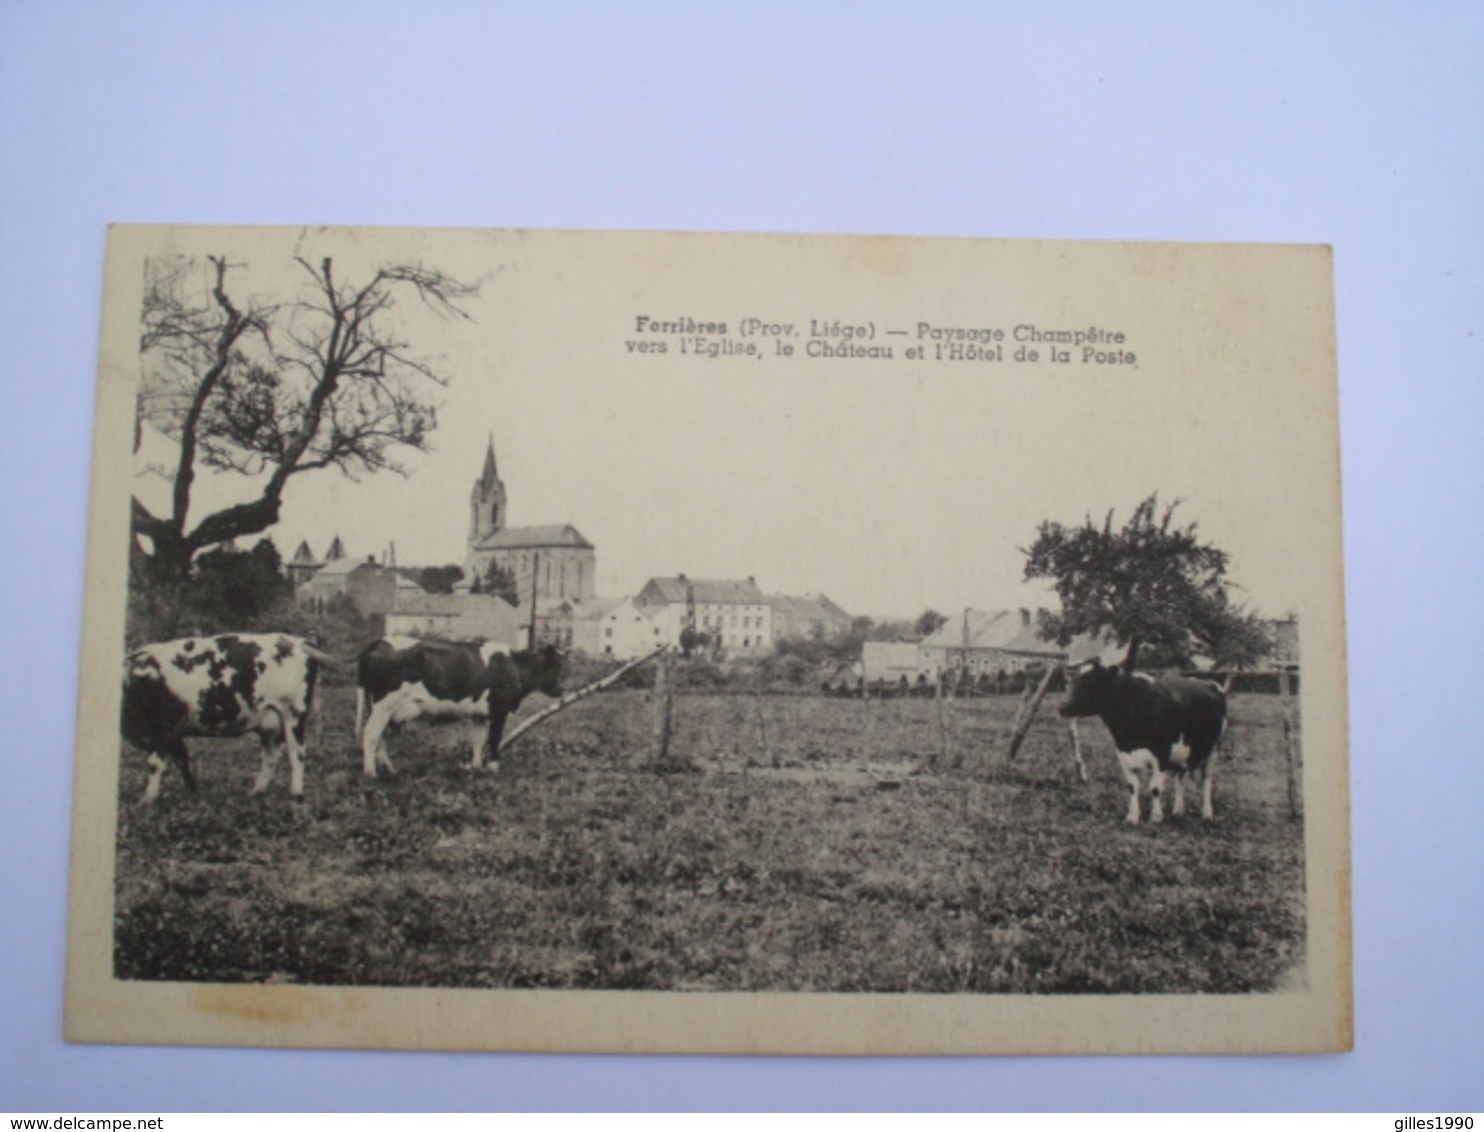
pixel 1357 125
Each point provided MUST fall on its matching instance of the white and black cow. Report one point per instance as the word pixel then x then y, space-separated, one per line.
pixel 1168 725
pixel 220 687
pixel 404 678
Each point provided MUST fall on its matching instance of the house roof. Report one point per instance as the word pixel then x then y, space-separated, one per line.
pixel 336 569
pixel 596 609
pixel 534 538
pixel 1009 630
pixel 445 605
pixel 806 607
pixel 304 556
pixel 707 590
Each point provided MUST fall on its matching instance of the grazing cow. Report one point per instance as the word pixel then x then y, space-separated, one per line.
pixel 404 678
pixel 1170 724
pixel 220 687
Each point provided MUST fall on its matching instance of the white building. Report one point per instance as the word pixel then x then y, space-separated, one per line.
pixel 627 631
pixel 736 614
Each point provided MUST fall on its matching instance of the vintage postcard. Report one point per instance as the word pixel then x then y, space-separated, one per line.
pixel 652 642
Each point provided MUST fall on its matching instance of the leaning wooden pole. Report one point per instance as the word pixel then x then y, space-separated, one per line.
pixel 1028 713
pixel 571 698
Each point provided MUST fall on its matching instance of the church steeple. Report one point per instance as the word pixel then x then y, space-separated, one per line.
pixel 487 500
pixel 491 475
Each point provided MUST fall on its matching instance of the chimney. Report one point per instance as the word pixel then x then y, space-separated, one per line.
pixel 1025 618
pixel 680 578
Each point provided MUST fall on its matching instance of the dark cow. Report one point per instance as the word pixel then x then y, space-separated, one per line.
pixel 402 678
pixel 1165 725
pixel 218 687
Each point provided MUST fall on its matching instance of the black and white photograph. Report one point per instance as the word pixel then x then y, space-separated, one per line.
pixel 819 644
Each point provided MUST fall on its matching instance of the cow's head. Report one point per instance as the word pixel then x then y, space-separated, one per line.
pixel 1092 691
pixel 543 670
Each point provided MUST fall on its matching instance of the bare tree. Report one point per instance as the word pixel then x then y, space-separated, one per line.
pixel 323 380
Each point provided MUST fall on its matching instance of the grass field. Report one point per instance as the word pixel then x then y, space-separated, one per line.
pixel 790 843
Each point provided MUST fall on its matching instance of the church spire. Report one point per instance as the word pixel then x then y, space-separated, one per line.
pixel 491 475
pixel 487 499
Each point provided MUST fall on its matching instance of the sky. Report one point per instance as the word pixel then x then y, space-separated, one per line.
pixel 890 485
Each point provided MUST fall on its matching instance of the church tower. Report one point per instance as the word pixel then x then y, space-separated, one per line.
pixel 487 501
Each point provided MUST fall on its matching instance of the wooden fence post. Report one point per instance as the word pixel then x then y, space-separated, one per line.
pixel 943 749
pixel 762 720
pixel 663 709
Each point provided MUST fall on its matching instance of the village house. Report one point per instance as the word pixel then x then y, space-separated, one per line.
pixel 735 613
pixel 991 641
pixel 806 616
pixel 458 617
pixel 368 586
pixel 627 631
pixel 889 662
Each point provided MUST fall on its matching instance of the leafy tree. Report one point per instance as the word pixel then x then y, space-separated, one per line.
pixel 1152 583
pixel 322 380
pixel 928 622
pixel 498 581
pixel 438 579
pixel 235 587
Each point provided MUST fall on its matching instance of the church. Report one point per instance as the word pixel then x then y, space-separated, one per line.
pixel 553 563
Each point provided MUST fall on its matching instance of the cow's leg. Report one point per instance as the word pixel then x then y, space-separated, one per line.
pixel 1207 813
pixel 293 741
pixel 476 733
pixel 373 740
pixel 273 734
pixel 1130 763
pixel 181 757
pixel 156 772
pixel 1156 793
pixel 496 733
pixel 1179 807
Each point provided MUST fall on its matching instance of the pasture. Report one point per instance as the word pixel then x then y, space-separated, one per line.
pixel 790 843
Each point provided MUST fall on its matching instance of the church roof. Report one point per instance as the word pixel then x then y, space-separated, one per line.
pixel 534 538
